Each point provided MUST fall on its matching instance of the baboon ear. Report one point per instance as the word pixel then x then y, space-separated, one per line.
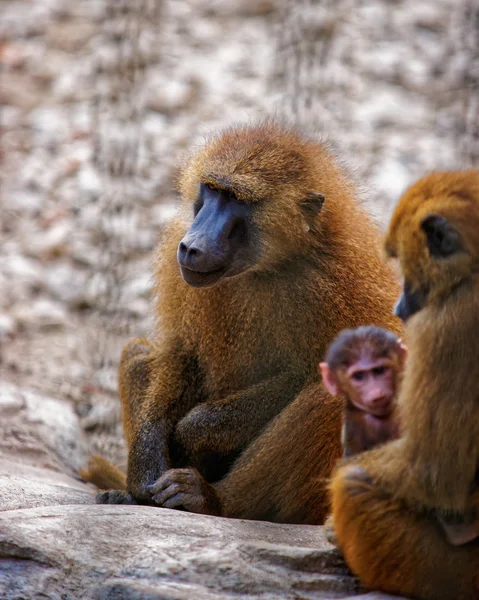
pixel 328 379
pixel 313 203
pixel 442 238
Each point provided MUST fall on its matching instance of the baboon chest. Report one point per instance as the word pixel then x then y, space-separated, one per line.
pixel 239 351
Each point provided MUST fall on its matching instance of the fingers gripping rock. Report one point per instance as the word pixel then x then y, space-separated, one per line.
pixel 185 489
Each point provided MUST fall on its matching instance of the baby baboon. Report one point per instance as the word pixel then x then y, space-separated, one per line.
pixel 364 366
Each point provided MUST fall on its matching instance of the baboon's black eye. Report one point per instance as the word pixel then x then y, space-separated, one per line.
pixel 197 206
pixel 390 251
pixel 442 239
pixel 313 203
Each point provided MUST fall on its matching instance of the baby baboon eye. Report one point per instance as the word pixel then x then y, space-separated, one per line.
pixel 442 238
pixel 358 376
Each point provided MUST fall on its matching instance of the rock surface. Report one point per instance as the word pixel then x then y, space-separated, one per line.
pixel 143 552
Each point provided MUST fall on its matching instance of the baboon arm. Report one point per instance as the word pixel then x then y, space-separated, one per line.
pixel 283 475
pixel 390 468
pixel 230 424
pixel 399 470
pixel 152 418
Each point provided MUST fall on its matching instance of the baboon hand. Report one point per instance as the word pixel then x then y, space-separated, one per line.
pixel 185 489
pixel 115 497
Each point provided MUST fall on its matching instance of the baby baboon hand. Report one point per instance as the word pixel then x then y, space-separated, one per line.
pixel 459 529
pixel 185 489
pixel 329 531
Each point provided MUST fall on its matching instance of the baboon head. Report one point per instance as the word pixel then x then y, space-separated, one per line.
pixel 434 232
pixel 254 203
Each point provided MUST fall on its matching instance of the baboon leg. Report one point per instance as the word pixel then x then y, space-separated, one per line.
pixel 392 548
pixel 282 476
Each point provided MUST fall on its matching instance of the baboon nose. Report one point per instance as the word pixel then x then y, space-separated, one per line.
pixel 189 255
pixel 186 251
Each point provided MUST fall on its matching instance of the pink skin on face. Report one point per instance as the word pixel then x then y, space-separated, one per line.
pixel 373 381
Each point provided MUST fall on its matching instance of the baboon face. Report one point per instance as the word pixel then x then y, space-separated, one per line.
pixel 253 203
pixel 229 236
pixel 220 241
pixel 433 233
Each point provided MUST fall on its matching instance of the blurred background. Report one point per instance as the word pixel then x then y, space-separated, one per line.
pixel 99 101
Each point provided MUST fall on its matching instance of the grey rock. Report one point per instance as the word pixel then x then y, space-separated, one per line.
pixel 70 36
pixel 26 486
pixel 106 551
pixel 169 97
pixel 7 326
pixel 43 314
pixel 21 269
pixel 89 182
pixel 53 242
pixel 40 431
pixel 66 283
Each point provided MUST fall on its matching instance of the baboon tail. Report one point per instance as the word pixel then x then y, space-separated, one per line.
pixel 104 474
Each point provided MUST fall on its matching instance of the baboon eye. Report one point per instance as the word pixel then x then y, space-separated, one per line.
pixel 390 251
pixel 210 186
pixel 358 375
pixel 197 206
pixel 442 238
pixel 313 203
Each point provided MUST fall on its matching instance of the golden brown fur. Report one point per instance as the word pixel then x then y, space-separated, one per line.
pixel 230 358
pixel 103 474
pixel 386 502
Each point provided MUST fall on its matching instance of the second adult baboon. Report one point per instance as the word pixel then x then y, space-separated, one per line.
pixel 270 258
pixel 406 513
